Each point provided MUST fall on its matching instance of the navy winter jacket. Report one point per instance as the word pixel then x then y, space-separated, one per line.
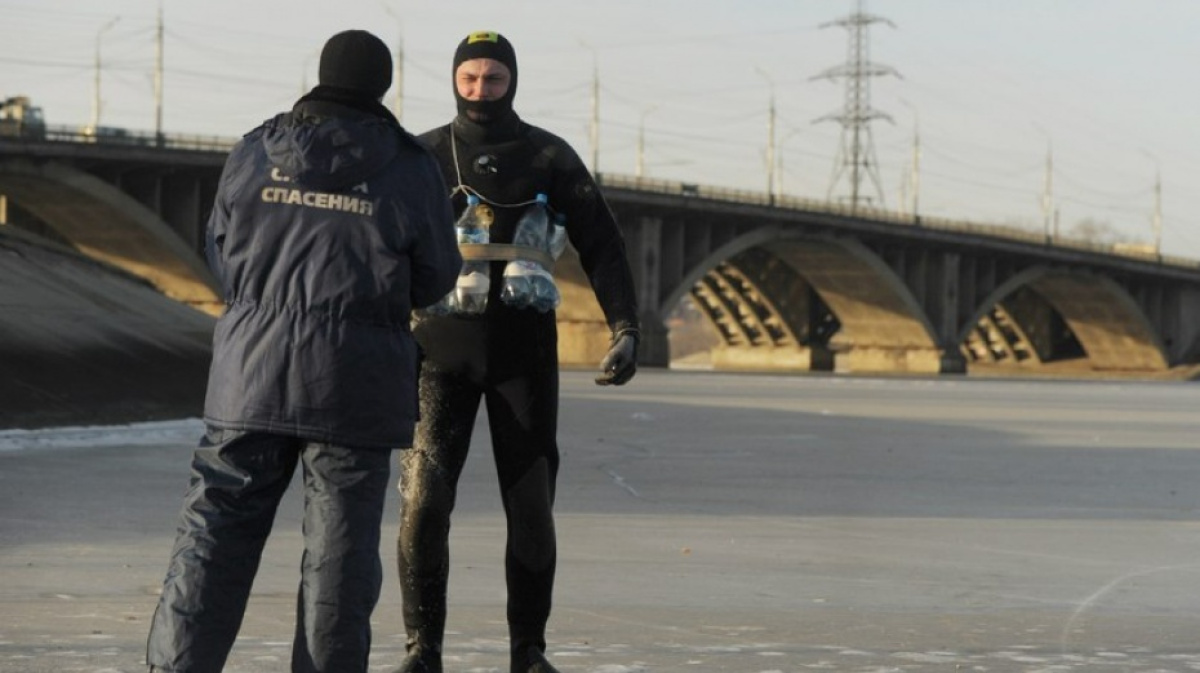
pixel 330 225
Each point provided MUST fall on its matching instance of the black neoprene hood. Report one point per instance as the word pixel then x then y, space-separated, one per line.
pixel 493 45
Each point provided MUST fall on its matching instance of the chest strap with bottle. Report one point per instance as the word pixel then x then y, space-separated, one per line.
pixel 504 252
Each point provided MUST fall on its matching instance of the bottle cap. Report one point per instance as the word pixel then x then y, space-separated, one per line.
pixel 475 281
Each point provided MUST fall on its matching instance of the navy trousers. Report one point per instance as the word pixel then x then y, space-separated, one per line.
pixel 237 481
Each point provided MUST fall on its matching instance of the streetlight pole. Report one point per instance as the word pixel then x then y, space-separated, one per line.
pixel 158 77
pixel 398 110
pixel 96 92
pixel 594 127
pixel 1156 215
pixel 915 174
pixel 1157 221
pixel 640 167
pixel 304 73
pixel 1048 190
pixel 770 136
pixel 1049 212
pixel 780 173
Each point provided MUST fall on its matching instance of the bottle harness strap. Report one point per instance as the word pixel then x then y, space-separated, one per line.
pixel 487 252
pixel 504 252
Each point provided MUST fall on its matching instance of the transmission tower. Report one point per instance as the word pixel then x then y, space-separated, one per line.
pixel 856 152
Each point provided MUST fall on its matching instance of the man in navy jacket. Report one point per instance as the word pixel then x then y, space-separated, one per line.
pixel 331 224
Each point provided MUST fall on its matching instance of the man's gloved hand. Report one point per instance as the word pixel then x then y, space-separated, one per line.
pixel 620 364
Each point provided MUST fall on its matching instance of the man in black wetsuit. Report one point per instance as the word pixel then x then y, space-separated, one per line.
pixel 505 356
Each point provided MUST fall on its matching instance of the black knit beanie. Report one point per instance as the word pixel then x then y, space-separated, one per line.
pixel 357 61
pixel 486 44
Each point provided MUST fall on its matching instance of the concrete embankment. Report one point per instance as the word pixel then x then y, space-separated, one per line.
pixel 84 343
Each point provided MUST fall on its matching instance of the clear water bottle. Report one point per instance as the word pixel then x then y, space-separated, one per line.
pixel 545 293
pixel 528 284
pixel 558 238
pixel 518 288
pixel 441 308
pixel 471 292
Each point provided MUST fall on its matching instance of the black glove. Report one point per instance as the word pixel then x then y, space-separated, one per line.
pixel 620 364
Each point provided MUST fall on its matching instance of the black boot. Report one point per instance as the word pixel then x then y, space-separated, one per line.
pixel 421 660
pixel 530 659
pixel 423 562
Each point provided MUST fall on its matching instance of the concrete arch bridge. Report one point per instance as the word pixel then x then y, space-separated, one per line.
pixel 795 284
pixel 785 283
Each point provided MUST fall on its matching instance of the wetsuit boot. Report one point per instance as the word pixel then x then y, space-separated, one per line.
pixel 528 658
pixel 423 560
pixel 424 620
pixel 528 650
pixel 529 565
pixel 421 659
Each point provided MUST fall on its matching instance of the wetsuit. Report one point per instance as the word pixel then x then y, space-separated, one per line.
pixel 508 358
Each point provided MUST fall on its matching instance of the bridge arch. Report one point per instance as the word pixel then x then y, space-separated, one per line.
pixel 691 276
pixel 881 325
pixel 107 224
pixel 1104 318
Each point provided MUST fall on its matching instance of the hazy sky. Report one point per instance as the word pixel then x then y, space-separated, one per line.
pixel 1107 84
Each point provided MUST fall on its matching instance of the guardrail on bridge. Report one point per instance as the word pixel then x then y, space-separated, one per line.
pixel 750 197
pixel 105 135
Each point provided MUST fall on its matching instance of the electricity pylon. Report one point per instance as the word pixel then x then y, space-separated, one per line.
pixel 856 152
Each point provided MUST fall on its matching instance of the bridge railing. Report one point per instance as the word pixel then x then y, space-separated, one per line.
pixel 105 135
pixel 750 197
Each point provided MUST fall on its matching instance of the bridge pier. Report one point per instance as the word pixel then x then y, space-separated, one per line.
pixel 584 343
pixel 952 362
pixel 792 359
pixel 654 348
pixel 883 360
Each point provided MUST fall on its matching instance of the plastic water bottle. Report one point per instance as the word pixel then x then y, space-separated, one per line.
pixel 528 283
pixel 471 292
pixel 558 238
pixel 518 286
pixel 546 296
pixel 441 308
